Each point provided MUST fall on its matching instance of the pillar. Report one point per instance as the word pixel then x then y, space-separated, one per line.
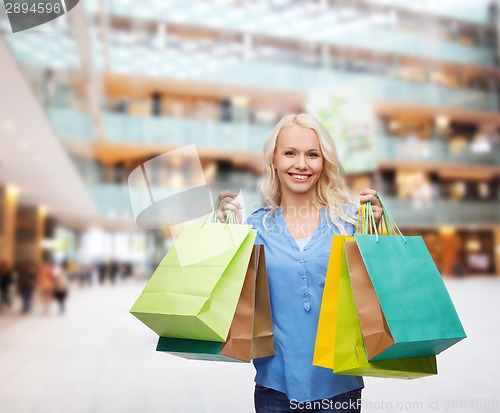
pixel 449 250
pixel 496 249
pixel 30 230
pixel 8 206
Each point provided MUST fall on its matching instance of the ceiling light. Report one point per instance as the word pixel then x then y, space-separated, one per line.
pixel 442 121
pixel 447 230
pixel 13 190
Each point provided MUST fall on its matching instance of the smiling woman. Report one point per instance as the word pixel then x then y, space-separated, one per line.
pixel 307 203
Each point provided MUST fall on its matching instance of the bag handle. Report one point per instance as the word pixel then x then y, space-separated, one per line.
pixel 231 217
pixel 366 221
pixel 389 220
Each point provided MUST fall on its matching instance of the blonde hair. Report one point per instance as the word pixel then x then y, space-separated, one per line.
pixel 331 191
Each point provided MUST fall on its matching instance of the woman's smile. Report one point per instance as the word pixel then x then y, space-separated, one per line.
pixel 299 177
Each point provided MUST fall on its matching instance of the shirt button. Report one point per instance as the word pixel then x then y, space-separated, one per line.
pixel 303 277
pixel 304 293
pixel 301 261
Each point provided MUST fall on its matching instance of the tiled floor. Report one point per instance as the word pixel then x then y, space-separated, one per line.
pixel 99 358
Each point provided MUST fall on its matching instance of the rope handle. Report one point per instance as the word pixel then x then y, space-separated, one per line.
pixel 231 217
pixel 366 221
pixel 391 223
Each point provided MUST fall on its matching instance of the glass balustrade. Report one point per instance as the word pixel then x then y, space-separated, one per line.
pixel 345 26
pixel 234 70
pixel 114 203
pixel 78 125
pixel 442 212
pixel 475 11
pixel 435 151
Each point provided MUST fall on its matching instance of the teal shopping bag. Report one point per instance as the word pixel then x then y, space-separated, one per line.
pixel 418 310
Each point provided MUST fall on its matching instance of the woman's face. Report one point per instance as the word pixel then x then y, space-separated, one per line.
pixel 298 160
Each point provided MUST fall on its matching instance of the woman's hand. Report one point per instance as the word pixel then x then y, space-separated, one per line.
pixel 227 203
pixel 370 195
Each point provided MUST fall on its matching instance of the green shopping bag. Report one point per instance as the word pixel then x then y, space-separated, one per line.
pixel 349 355
pixel 251 332
pixel 194 291
pixel 420 318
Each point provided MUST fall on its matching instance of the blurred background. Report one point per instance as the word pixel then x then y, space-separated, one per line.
pixel 409 90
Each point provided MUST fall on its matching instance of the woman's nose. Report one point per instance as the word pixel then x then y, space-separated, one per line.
pixel 301 162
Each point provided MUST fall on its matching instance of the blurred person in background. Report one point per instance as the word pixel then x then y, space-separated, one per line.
pixel 72 270
pixel 102 271
pixel 114 268
pixel 127 270
pixel 307 202
pixel 26 282
pixel 6 279
pixel 61 285
pixel 46 283
pixel 85 275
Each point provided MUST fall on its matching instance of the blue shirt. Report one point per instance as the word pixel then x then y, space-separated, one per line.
pixel 296 281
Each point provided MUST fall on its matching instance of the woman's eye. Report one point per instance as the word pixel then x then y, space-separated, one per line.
pixel 313 155
pixel 289 153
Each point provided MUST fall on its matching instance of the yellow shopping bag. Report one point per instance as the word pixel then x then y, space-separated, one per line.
pixel 325 335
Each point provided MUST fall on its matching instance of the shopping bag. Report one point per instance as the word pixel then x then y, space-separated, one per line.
pixel 339 342
pixel 349 351
pixel 325 334
pixel 250 335
pixel 416 315
pixel 194 291
pixel 376 333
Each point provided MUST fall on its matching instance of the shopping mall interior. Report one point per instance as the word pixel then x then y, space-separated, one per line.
pixel 120 121
pixel 91 96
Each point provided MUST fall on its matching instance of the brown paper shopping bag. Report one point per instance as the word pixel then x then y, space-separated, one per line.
pixel 376 333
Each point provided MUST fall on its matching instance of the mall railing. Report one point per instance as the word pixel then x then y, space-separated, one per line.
pixel 436 151
pixel 72 124
pixel 114 203
pixel 468 11
pixel 443 212
pixel 77 125
pixel 288 76
pixel 114 200
pixel 358 30
pixel 235 70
